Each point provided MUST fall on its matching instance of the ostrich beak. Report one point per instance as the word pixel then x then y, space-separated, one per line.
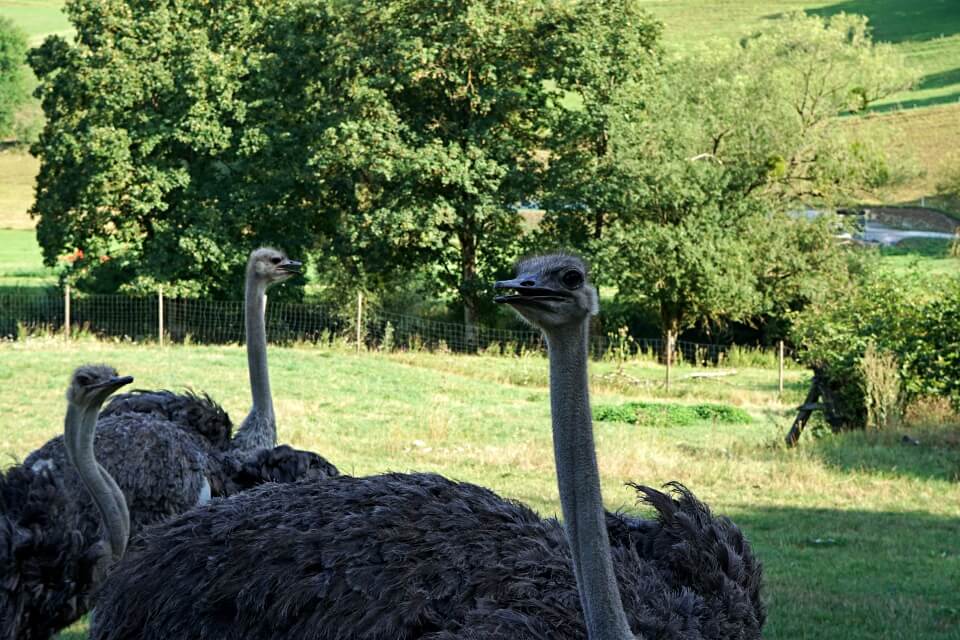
pixel 292 267
pixel 527 292
pixel 113 383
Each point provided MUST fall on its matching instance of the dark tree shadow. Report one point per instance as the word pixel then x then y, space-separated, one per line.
pixel 930 454
pixel 900 21
pixel 857 574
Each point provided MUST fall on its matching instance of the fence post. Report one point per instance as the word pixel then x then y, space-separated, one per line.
pixel 669 356
pixel 66 312
pixel 780 367
pixel 359 318
pixel 160 314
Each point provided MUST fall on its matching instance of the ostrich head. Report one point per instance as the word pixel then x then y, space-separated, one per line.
pixel 91 384
pixel 270 266
pixel 551 292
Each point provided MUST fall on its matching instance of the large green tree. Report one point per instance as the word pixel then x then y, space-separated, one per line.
pixel 145 124
pixel 416 119
pixel 702 160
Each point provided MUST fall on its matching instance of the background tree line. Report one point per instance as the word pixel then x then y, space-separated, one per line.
pixel 414 148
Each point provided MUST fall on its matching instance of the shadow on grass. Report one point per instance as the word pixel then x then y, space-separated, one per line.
pixel 899 21
pixel 857 574
pixel 949 98
pixel 848 575
pixel 931 454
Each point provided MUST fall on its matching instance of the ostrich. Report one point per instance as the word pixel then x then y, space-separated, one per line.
pixel 53 550
pixel 199 413
pixel 419 556
pixel 201 461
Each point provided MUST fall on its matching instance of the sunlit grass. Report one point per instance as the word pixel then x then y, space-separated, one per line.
pixel 859 519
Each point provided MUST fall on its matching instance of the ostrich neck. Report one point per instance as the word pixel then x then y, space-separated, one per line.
pixel 79 432
pixel 259 428
pixel 579 484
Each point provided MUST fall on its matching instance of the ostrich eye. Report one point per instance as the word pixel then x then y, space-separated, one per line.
pixel 275 260
pixel 572 279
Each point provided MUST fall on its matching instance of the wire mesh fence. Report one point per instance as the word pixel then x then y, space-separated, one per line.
pixel 221 322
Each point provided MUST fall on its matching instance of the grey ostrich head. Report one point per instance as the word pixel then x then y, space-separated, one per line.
pixel 551 291
pixel 93 383
pixel 270 266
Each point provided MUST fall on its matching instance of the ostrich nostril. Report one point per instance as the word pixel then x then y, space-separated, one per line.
pixel 527 283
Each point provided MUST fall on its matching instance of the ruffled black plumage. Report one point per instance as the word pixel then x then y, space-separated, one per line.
pixel 196 413
pixel 402 557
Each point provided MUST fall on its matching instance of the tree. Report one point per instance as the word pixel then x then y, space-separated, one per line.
pixel 144 122
pixel 13 88
pixel 418 117
pixel 703 159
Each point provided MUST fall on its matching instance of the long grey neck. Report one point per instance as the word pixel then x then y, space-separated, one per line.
pixel 579 483
pixel 79 432
pixel 259 428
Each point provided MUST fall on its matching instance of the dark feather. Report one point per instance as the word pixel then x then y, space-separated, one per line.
pixel 396 557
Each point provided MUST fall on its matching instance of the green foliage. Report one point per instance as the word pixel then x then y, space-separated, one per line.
pixel 670 415
pixel 919 325
pixel 880 375
pixel 13 85
pixel 687 164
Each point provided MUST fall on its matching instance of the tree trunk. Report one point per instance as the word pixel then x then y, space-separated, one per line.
pixel 468 290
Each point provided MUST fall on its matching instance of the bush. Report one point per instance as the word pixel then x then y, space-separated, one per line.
pixel 880 375
pixel 916 323
pixel 667 415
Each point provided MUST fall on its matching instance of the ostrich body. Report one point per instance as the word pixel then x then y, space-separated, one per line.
pixel 54 550
pixel 419 556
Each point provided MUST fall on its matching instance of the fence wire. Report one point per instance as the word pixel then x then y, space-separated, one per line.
pixel 221 322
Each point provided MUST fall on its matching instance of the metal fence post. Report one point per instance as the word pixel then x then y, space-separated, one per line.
pixel 160 314
pixel 669 356
pixel 780 366
pixel 66 313
pixel 359 318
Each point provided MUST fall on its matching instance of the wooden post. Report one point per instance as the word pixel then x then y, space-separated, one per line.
pixel 804 412
pixel 160 314
pixel 66 312
pixel 780 364
pixel 669 356
pixel 359 319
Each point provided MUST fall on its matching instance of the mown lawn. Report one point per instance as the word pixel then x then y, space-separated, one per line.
pixel 37 18
pixel 860 535
pixel 21 263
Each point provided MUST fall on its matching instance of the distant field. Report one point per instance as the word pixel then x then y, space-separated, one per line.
pixel 21 264
pixel 927 32
pixel 17 171
pixel 859 535
pixel 36 17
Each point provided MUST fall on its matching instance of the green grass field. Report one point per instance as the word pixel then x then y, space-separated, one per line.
pixel 926 32
pixel 38 18
pixel 21 265
pixel 859 534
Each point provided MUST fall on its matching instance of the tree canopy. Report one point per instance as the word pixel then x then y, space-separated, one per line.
pixel 702 160
pixel 393 139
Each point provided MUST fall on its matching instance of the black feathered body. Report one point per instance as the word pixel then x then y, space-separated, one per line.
pixel 197 414
pixel 162 470
pixel 50 554
pixel 52 548
pixel 405 557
